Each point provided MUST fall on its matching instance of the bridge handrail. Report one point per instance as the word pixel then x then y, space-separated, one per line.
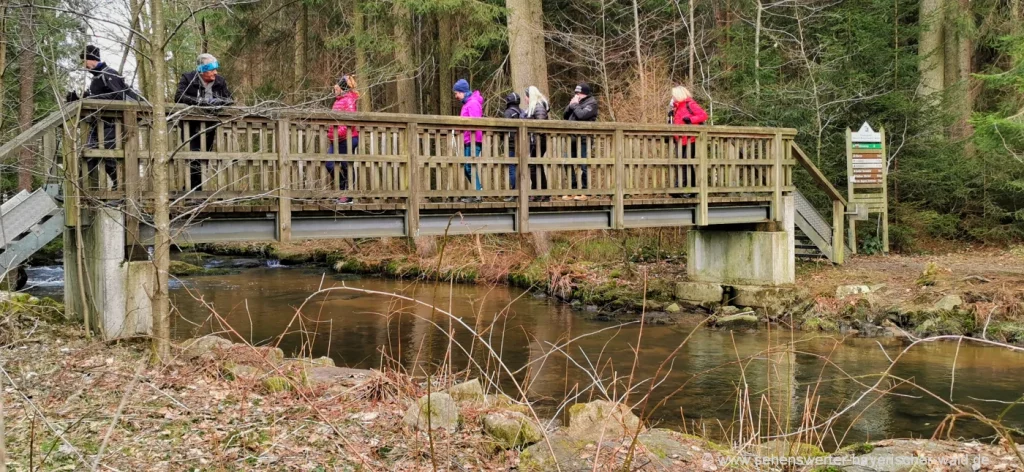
pixel 46 125
pixel 819 179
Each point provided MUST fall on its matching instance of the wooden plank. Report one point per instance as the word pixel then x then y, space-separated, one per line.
pixel 412 213
pixel 619 210
pixel 131 175
pixel 777 213
pixel 523 178
pixel 69 154
pixel 838 244
pixel 702 179
pixel 284 202
pixel 816 175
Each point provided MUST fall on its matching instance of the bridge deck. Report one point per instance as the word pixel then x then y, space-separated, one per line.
pixel 407 173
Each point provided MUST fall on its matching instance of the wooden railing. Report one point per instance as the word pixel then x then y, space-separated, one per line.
pixel 276 157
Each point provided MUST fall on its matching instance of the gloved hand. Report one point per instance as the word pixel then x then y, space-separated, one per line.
pixel 687 120
pixel 72 96
pixel 219 102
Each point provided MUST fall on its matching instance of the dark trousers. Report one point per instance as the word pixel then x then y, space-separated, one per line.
pixel 512 169
pixel 109 142
pixel 538 177
pixel 193 133
pixel 342 165
pixel 578 149
pixel 689 173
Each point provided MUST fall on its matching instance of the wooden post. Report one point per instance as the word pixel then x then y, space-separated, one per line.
pixel 619 210
pixel 49 149
pixel 838 245
pixel 131 175
pixel 777 172
pixel 702 179
pixel 885 193
pixel 523 178
pixel 69 154
pixel 284 202
pixel 853 235
pixel 412 211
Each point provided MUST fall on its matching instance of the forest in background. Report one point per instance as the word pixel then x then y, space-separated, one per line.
pixel 944 77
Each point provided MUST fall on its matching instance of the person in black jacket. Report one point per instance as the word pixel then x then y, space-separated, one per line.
pixel 512 111
pixel 583 107
pixel 106 84
pixel 202 87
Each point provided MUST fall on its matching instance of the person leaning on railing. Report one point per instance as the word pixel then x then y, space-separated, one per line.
pixel 537 109
pixel 106 84
pixel 345 100
pixel 583 107
pixel 684 110
pixel 512 111
pixel 472 107
pixel 202 87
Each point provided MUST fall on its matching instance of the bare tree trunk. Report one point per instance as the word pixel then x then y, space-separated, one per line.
pixel 301 46
pixel 757 51
pixel 362 65
pixel 526 44
pixel 142 60
pixel 604 64
pixel 3 59
pixel 950 45
pixel 693 45
pixel 205 44
pixel 639 62
pixel 445 78
pixel 405 87
pixel 161 206
pixel 965 58
pixel 930 47
pixel 27 81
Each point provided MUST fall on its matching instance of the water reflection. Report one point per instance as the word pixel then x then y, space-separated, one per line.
pixel 781 372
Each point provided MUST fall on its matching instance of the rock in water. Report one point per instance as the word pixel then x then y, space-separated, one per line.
pixel 470 391
pixel 673 308
pixel 738 321
pixel 600 417
pixel 512 429
pixel 438 410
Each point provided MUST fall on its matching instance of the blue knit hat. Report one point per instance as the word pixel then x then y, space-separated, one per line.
pixel 461 86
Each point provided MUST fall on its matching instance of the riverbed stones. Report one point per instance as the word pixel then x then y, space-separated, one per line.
pixel 601 418
pixel 436 411
pixel 673 308
pixel 739 321
pixel 469 391
pixel 198 347
pixel 511 429
pixel 699 292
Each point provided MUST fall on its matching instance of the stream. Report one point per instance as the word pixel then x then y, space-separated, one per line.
pixel 702 381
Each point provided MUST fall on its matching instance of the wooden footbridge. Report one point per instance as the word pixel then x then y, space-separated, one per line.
pixel 266 174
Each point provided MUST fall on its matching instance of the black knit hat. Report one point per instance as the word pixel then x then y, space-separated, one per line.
pixel 512 99
pixel 92 53
pixel 583 88
pixel 343 83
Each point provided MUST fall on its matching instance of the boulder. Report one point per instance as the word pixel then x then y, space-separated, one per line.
pixel 844 291
pixel 469 391
pixel 738 321
pixel 343 376
pixel 234 371
pixel 699 292
pixel 256 355
pixel 761 297
pixel 729 310
pixel 559 452
pixel 197 347
pixel 511 429
pixel 948 303
pixel 436 411
pixel 673 308
pixel 601 418
pixel 666 448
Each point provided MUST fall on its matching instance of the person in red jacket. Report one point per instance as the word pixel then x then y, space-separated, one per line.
pixel 684 110
pixel 346 98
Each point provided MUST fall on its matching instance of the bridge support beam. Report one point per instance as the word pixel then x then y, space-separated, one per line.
pixel 744 257
pixel 117 291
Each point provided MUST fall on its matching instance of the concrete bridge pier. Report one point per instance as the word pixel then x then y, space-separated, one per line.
pixel 745 255
pixel 117 290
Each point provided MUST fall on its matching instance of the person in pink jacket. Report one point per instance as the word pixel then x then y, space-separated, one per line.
pixel 472 107
pixel 346 98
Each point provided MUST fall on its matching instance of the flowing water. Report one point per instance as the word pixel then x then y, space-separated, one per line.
pixel 703 380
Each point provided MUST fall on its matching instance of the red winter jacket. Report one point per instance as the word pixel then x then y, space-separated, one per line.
pixel 345 103
pixel 688 109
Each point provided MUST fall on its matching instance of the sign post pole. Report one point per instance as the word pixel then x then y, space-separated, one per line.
pixel 867 171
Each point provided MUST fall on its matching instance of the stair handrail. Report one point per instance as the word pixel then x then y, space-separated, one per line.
pixel 38 129
pixel 819 179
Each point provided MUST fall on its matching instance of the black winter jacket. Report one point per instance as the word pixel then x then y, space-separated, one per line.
pixel 191 90
pixel 107 84
pixel 585 110
pixel 512 111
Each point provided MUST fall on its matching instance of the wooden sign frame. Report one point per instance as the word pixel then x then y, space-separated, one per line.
pixel 867 182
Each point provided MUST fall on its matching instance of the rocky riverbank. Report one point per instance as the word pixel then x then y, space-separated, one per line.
pixel 619 275
pixel 70 403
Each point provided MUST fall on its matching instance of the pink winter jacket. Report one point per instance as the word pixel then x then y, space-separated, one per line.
pixel 344 103
pixel 473 108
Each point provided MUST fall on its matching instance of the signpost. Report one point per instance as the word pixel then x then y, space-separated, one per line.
pixel 866 166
